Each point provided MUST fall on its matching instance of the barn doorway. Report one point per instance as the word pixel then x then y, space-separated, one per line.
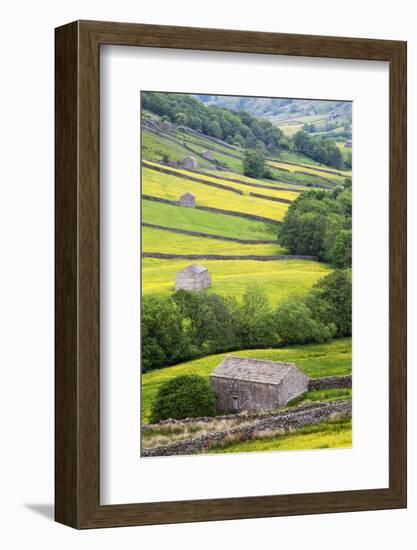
pixel 235 403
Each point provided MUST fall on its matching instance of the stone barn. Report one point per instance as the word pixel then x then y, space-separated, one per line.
pixel 188 200
pixel 193 277
pixel 189 162
pixel 348 144
pixel 208 155
pixel 240 383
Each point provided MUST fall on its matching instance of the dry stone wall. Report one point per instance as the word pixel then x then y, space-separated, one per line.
pixel 291 419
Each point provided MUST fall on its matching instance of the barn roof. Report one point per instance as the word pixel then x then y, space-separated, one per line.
pixel 252 370
pixel 188 195
pixel 195 268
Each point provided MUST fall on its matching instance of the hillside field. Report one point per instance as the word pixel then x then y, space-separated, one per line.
pixel 230 277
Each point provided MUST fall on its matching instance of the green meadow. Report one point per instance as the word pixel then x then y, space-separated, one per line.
pixel 316 360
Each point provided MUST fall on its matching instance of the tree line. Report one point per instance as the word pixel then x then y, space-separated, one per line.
pixel 321 150
pixel 237 128
pixel 187 325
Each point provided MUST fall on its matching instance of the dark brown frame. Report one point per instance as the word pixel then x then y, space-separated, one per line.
pixel 77 472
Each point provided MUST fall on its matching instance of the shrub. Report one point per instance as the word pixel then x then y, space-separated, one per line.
pixel 295 325
pixel 184 396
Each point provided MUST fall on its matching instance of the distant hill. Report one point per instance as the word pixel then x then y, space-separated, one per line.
pixel 290 114
pixel 274 107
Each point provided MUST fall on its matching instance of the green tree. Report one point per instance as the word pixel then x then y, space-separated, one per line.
pixel 186 396
pixel 295 324
pixel 181 118
pixel 330 301
pixel 164 337
pixel 253 164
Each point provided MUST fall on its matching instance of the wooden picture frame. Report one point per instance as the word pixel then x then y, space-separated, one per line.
pixel 77 372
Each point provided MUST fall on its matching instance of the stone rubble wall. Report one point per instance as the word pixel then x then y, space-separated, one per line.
pixel 167 256
pixel 287 420
pixel 330 382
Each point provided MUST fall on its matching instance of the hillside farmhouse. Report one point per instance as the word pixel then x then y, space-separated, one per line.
pixel 240 383
pixel 188 200
pixel 348 144
pixel 189 162
pixel 193 277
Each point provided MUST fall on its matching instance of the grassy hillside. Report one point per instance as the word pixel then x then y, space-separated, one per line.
pixel 172 187
pixel 158 240
pixel 230 277
pixel 316 360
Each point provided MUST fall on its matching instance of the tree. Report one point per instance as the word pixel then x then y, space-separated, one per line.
pixel 340 254
pixel 255 326
pixel 253 164
pixel 185 396
pixel 181 118
pixel 295 324
pixel 330 301
pixel 164 337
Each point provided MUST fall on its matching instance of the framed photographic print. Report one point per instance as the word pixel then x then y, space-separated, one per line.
pixel 230 274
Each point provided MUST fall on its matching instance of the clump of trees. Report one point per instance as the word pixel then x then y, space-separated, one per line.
pixel 320 150
pixel 319 223
pixel 184 396
pixel 188 324
pixel 254 164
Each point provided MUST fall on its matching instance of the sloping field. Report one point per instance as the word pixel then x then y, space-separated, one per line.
pixel 316 360
pixel 172 187
pixel 290 186
pixel 159 240
pixel 325 172
pixel 246 189
pixel 180 217
pixel 279 278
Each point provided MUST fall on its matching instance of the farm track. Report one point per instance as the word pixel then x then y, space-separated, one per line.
pixel 163 256
pixel 207 235
pixel 305 415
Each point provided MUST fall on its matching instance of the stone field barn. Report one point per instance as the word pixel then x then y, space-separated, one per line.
pixel 188 200
pixel 193 277
pixel 190 162
pixel 241 383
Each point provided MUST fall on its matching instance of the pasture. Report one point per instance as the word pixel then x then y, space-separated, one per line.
pixel 279 278
pixel 316 360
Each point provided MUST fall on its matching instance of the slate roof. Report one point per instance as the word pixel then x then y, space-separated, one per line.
pixel 252 370
pixel 187 195
pixel 195 268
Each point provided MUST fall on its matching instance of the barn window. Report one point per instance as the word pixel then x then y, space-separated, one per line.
pixel 235 403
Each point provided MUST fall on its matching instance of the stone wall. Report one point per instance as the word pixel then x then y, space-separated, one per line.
pixel 330 382
pixel 167 256
pixel 287 420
